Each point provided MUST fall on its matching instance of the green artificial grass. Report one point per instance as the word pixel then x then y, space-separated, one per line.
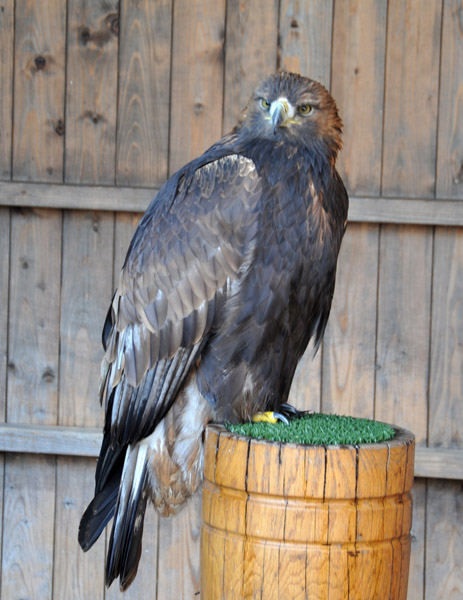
pixel 318 430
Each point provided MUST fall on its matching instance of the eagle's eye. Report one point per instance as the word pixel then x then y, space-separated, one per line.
pixel 264 103
pixel 304 109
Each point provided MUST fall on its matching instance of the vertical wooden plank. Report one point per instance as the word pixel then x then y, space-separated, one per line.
pixel 4 289
pixel 410 111
pixel 86 289
pixel 305 392
pixel 33 331
pixel 6 89
pixel 416 578
pixel 412 63
pixel 144 92
pixel 305 38
pixel 404 308
pixel 444 508
pixel 444 535
pixel 91 95
pixel 250 52
pixel 85 297
pixel 450 132
pixel 402 353
pixel 178 566
pixel 28 527
pixel 359 45
pixel 32 398
pixel 446 374
pixel 197 79
pixel 348 382
pixel 39 90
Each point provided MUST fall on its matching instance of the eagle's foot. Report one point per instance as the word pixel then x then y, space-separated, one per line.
pixel 270 416
pixel 285 414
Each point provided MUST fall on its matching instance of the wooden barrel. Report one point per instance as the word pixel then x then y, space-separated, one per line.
pixel 294 522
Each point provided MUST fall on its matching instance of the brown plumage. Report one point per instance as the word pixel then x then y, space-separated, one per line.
pixel 229 275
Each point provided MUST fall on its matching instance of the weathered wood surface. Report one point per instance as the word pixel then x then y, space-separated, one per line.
pixel 446 373
pixel 444 530
pixel 91 95
pixel 411 96
pixel 403 327
pixel 127 92
pixel 450 131
pixel 197 79
pixel 348 373
pixel 144 92
pixel 4 277
pixel 305 38
pixel 6 89
pixel 32 398
pixel 39 80
pixel 250 50
pixel 359 88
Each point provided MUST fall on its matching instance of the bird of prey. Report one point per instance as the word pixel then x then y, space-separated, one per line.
pixel 229 275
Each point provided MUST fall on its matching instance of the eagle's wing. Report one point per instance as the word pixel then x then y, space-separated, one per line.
pixel 185 254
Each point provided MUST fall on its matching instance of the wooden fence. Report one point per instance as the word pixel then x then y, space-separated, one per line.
pixel 99 102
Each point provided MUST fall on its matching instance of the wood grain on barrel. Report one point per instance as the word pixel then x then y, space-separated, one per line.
pixel 309 522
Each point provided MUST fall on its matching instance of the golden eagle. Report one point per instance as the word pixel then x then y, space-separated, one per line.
pixel 228 277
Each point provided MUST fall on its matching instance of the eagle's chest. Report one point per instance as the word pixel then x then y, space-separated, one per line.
pixel 292 237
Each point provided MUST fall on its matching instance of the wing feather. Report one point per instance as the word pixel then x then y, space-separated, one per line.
pixel 178 268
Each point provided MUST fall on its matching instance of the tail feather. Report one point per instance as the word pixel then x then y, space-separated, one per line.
pixel 101 509
pixel 99 512
pixel 124 548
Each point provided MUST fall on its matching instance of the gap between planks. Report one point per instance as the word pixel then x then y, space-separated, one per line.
pixel 436 463
pixel 416 211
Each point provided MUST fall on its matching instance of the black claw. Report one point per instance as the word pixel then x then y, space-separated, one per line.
pixel 281 417
pixel 291 412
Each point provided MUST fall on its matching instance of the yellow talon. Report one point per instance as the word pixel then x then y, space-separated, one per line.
pixel 265 417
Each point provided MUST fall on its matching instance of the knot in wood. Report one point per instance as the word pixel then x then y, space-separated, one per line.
pixel 59 129
pixel 113 24
pixel 84 35
pixel 40 62
pixel 48 375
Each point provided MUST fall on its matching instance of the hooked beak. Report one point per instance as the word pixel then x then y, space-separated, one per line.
pixel 279 113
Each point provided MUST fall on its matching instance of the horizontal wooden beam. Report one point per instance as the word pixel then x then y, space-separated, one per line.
pixel 76 197
pixel 438 463
pixel 50 439
pixel 407 211
pixel 417 211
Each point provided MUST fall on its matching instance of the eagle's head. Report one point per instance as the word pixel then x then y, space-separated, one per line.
pixel 289 107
